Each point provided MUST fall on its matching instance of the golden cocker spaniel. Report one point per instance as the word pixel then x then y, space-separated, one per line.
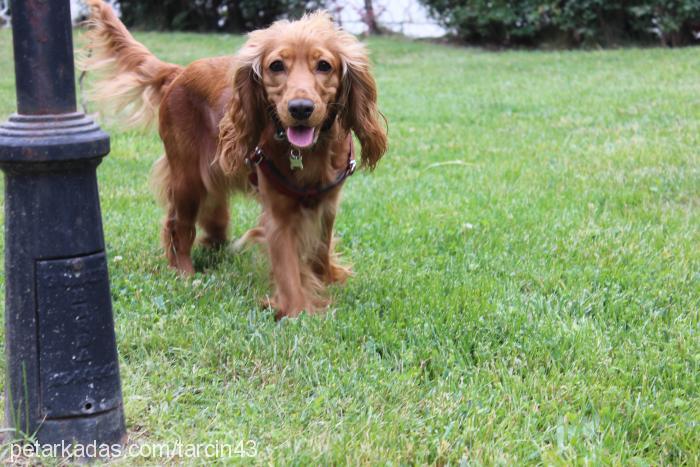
pixel 274 120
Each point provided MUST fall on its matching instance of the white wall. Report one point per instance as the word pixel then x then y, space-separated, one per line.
pixel 78 9
pixel 407 17
pixel 75 7
pixel 4 18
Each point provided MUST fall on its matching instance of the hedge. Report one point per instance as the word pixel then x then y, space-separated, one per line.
pixel 575 22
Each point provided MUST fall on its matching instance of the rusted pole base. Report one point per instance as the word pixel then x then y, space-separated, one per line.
pixel 62 369
pixel 59 334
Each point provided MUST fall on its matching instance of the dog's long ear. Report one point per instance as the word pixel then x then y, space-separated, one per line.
pixel 359 110
pixel 242 124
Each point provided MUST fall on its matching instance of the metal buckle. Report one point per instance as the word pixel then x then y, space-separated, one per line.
pixel 255 159
pixel 351 167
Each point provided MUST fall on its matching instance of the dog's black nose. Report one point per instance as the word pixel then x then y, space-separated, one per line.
pixel 301 109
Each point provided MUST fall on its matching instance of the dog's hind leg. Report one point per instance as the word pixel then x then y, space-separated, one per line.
pixel 214 219
pixel 179 226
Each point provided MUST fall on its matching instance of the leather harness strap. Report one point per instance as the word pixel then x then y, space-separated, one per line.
pixel 307 196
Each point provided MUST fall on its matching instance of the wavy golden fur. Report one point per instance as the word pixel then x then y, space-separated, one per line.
pixel 214 112
pixel 132 80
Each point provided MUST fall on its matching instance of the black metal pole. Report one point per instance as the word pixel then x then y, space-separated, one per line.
pixel 62 368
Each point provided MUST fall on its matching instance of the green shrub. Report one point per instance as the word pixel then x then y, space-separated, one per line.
pixel 673 21
pixel 576 21
pixel 490 21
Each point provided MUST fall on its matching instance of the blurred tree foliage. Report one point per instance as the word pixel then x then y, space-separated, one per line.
pixel 210 15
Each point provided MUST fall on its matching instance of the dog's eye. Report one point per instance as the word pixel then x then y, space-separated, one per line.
pixel 277 66
pixel 323 66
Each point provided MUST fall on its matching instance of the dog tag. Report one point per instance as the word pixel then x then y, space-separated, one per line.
pixel 295 161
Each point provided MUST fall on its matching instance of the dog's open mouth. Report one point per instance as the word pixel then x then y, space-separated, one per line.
pixel 301 136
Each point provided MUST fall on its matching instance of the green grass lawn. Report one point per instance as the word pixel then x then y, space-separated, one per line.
pixel 527 285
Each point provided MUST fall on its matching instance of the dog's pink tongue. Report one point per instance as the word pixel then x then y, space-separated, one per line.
pixel 300 136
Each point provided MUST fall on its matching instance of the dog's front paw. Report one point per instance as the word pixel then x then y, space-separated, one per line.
pixel 271 303
pixel 183 265
pixel 284 310
pixel 280 314
pixel 268 303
